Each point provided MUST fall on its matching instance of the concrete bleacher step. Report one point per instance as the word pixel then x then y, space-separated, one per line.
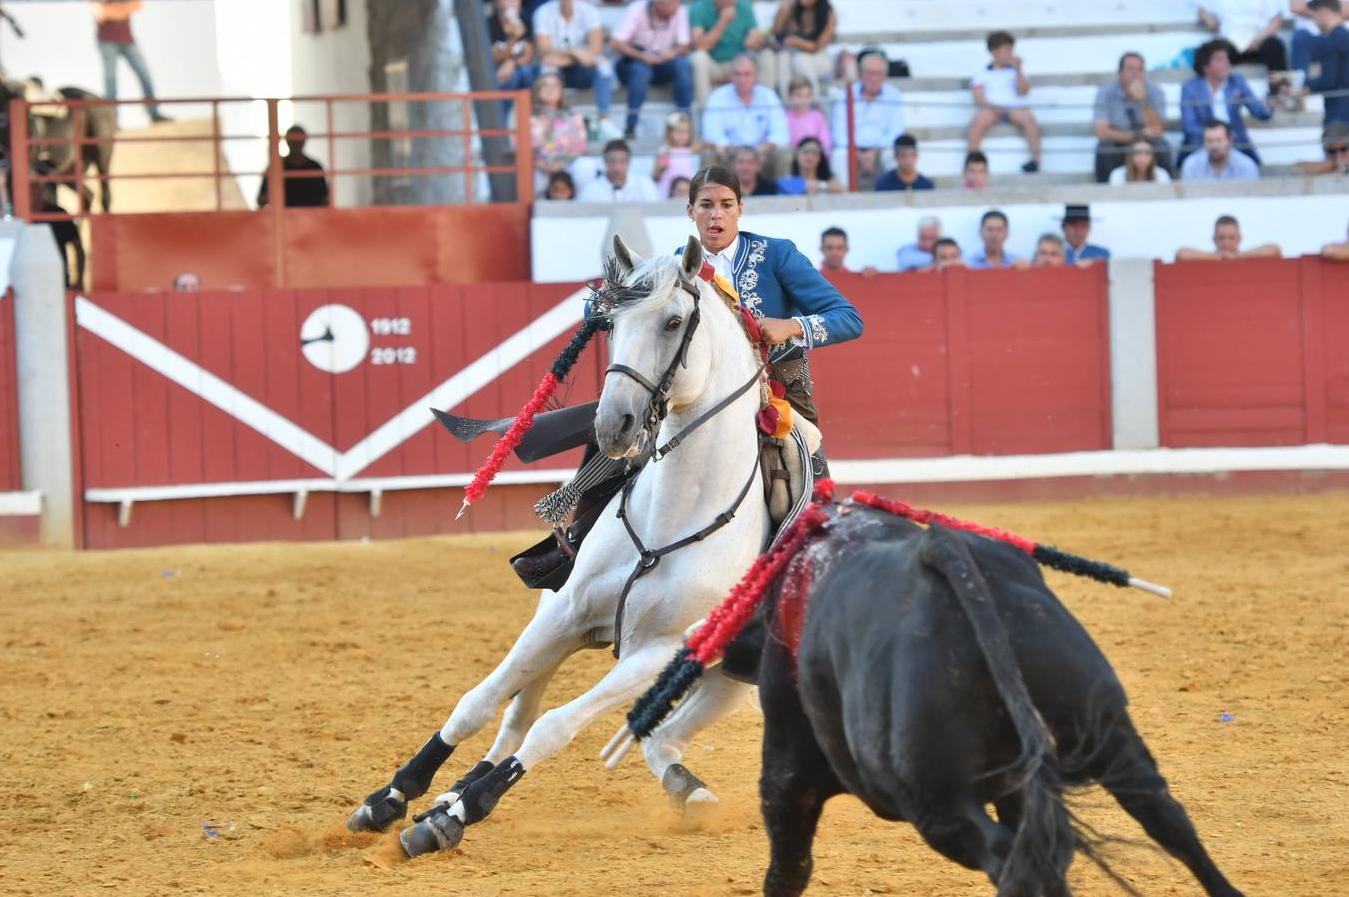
pixel 140 155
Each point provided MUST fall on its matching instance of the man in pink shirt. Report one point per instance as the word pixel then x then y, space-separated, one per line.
pixel 652 43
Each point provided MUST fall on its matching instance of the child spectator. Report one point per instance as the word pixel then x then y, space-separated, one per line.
pixel 804 118
pixel 804 29
pixel 1000 95
pixel 1227 245
pixel 561 186
pixel 904 176
pixel 1140 166
pixel 974 175
pixel 678 158
pixel 559 133
pixel 811 173
pixel 679 188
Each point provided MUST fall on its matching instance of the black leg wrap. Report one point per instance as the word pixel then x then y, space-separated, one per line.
pixel 679 783
pixel 480 798
pixel 377 812
pixel 482 768
pixel 414 779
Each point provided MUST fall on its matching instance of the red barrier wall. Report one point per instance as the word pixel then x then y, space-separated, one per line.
pixel 11 475
pixel 970 362
pixel 1252 352
pixel 373 247
pixel 961 362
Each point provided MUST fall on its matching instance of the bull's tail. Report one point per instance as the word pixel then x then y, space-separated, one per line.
pixel 1044 841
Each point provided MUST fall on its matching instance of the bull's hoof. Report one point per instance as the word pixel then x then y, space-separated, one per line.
pixel 438 831
pixel 379 812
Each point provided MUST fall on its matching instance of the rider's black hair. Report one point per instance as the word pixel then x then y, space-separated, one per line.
pixel 714 174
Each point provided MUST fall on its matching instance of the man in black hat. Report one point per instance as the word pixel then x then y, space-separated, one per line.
pixel 1076 230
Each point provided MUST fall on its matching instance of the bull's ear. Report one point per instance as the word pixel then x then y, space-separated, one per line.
pixel 693 258
pixel 623 255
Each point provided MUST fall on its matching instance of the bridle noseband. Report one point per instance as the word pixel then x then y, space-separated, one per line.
pixel 659 404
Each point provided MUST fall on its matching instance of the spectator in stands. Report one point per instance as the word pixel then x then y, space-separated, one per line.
pixel 558 132
pixel 919 256
pixel 722 31
pixel 946 254
pixel 974 174
pixel 1000 96
pixel 1049 252
pixel 744 113
pixel 1335 143
pixel 1336 252
pixel 834 250
pixel 1076 227
pixel 804 29
pixel 116 41
pixel 1227 245
pixel 878 116
pixel 652 42
pixel 186 282
pixel 904 176
pixel 1217 92
pixel 561 186
pixel 1305 34
pixel 1140 166
pixel 1129 109
pixel 1253 28
pixel 679 188
pixel 1219 161
pixel 678 158
pixel 570 40
pixel 512 46
pixel 804 118
pixel 993 230
pixel 1332 50
pixel 617 185
pixel 748 168
pixel 811 173
pixel 299 191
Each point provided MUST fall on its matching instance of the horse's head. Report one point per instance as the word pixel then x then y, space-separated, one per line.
pixel 661 347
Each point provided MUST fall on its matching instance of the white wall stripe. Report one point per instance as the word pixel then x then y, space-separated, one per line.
pixel 20 504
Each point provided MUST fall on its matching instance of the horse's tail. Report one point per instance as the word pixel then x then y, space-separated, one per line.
pixel 1044 841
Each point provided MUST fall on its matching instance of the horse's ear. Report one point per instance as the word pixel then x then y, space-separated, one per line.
pixel 623 255
pixel 693 258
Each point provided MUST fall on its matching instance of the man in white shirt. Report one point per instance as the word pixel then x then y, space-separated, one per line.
pixel 1000 95
pixel 878 117
pixel 617 185
pixel 570 40
pixel 745 113
pixel 1219 161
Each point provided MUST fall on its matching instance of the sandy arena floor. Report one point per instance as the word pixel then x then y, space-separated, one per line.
pixel 265 689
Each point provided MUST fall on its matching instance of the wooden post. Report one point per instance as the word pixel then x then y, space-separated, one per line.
pixel 18 158
pixel 276 193
pixel 524 147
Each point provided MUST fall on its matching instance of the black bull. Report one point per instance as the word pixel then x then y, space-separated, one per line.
pixel 937 674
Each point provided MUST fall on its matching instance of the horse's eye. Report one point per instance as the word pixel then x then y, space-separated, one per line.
pixel 673 323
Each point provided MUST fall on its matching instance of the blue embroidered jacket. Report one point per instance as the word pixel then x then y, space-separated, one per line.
pixel 776 281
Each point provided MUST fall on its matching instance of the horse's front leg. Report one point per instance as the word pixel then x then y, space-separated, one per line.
pixel 714 698
pixel 546 641
pixel 443 828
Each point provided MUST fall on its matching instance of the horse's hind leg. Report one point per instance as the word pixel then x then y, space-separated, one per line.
pixel 714 698
pixel 546 641
pixel 1126 769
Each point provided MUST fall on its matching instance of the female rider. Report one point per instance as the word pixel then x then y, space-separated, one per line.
pixel 797 310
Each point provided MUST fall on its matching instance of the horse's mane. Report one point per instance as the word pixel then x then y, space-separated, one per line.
pixel 625 291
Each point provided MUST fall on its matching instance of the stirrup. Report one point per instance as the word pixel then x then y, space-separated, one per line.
pixel 546 565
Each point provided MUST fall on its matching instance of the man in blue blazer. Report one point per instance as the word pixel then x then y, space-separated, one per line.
pixel 1217 92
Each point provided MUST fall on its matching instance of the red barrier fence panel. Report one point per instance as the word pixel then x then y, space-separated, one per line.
pixel 970 362
pixel 11 475
pixel 1251 352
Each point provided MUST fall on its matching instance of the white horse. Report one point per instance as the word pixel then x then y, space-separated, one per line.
pixel 660 310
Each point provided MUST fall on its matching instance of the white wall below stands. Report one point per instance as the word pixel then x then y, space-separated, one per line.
pixel 1140 221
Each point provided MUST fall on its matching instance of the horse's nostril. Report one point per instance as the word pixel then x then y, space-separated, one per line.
pixel 628 422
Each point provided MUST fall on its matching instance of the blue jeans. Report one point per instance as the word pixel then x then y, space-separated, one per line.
pixel 582 77
pixel 132 54
pixel 1301 52
pixel 638 76
pixel 520 79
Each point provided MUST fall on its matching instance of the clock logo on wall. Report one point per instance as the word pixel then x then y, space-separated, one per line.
pixel 334 338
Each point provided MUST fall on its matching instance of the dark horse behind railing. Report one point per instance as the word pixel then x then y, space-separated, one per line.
pixel 53 119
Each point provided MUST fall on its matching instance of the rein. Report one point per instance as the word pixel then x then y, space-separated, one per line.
pixel 657 410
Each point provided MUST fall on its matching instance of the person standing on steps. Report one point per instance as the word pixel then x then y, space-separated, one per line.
pixel 115 41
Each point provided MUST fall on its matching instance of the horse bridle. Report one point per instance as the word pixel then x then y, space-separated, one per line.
pixel 658 405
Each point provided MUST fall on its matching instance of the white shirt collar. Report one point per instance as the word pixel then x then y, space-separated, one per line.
pixel 724 262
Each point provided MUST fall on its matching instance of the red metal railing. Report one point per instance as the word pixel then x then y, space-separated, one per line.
pixel 25 146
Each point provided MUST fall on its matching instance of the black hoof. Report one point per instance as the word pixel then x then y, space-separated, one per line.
pixel 380 811
pixel 439 831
